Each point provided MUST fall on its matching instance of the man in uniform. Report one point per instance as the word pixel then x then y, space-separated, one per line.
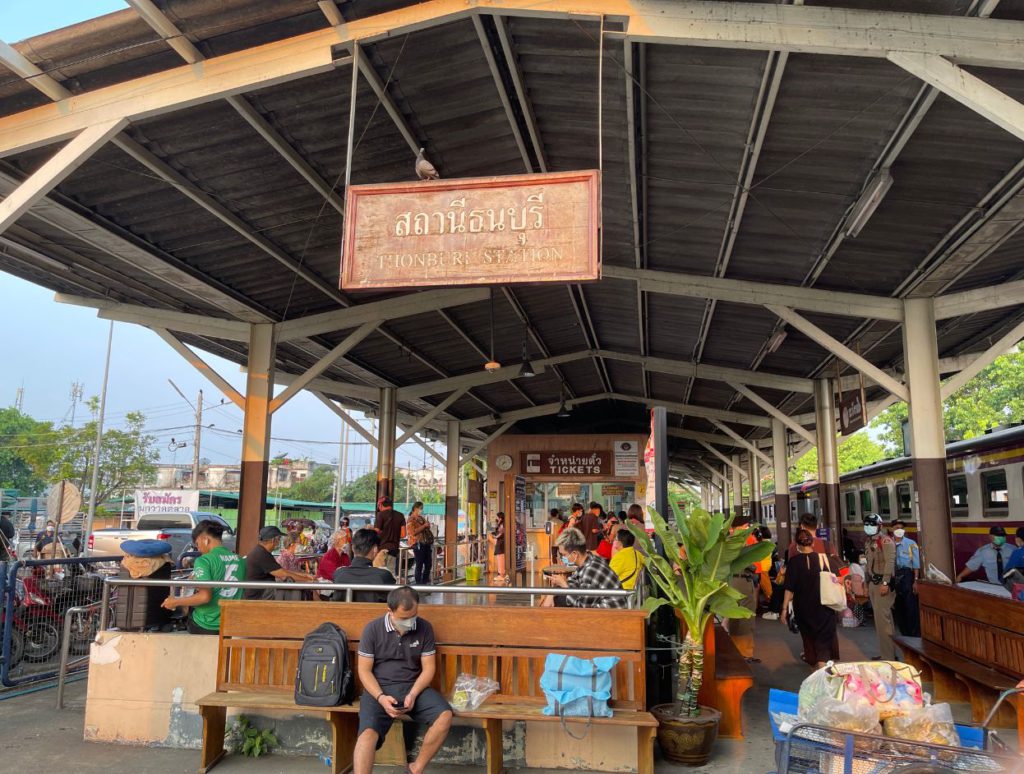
pixel 880 552
pixel 993 558
pixel 908 566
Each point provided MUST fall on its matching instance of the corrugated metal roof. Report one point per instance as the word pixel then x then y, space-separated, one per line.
pixel 696 109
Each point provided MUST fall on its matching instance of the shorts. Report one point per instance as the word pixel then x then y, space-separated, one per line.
pixel 429 706
pixel 194 628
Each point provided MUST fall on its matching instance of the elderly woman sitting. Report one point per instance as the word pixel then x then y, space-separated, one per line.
pixel 336 555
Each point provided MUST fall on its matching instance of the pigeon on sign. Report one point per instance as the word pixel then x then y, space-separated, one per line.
pixel 424 169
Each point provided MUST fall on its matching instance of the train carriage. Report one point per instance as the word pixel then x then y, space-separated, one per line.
pixel 985 477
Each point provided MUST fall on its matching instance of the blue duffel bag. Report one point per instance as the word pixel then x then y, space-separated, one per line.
pixel 577 687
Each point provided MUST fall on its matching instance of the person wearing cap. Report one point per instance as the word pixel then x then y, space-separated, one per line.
pixel 260 565
pixel 993 557
pixel 880 573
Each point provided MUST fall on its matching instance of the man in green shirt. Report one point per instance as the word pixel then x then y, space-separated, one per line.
pixel 216 563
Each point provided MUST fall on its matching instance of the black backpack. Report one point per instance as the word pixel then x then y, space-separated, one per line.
pixel 324 676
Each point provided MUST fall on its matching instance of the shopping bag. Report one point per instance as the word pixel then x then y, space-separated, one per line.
pixel 892 687
pixel 577 687
pixel 833 593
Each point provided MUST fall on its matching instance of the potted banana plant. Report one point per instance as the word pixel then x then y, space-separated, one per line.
pixel 703 554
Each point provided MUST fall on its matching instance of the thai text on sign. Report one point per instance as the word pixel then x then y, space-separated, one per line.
pixel 519 228
pixel 562 463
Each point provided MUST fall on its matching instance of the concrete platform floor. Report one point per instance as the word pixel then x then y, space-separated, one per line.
pixel 35 736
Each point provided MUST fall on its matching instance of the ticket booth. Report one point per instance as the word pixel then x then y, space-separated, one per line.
pixel 531 474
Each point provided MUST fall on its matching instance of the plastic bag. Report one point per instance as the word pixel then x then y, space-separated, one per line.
pixel 843 716
pixel 893 688
pixel 932 724
pixel 469 691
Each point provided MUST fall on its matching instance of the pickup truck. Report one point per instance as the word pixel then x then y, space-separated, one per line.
pixel 175 528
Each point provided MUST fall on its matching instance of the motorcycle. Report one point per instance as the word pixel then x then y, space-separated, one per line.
pixel 53 597
pixel 35 635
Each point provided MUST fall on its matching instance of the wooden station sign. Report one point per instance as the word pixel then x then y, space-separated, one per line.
pixel 852 412
pixel 473 231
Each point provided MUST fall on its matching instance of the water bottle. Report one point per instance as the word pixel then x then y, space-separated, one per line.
pixel 326 759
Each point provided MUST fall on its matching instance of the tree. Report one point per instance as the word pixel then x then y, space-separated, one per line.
pixel 364 489
pixel 318 487
pixel 26 451
pixel 127 457
pixel 855 452
pixel 684 498
pixel 992 398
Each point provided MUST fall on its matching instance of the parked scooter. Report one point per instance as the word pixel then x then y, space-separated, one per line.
pixel 35 634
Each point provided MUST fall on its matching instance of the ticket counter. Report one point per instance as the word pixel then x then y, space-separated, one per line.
pixel 531 474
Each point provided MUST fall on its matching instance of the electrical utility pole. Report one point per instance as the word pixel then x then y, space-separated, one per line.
pixel 198 440
pixel 99 441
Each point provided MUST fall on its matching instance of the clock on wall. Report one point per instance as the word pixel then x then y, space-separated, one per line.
pixel 504 462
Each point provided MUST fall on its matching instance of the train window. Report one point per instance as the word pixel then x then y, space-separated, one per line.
pixel 958 496
pixel 865 501
pixel 882 498
pixel 904 500
pixel 851 506
pixel 997 496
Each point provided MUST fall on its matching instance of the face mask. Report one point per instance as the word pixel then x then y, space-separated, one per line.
pixel 998 540
pixel 899 533
pixel 405 624
pixel 864 561
pixel 870 530
pixel 567 561
pixel 49 530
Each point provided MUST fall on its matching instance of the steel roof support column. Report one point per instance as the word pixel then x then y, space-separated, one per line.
pixel 828 461
pixel 781 466
pixel 927 439
pixel 755 488
pixel 259 389
pixel 737 486
pixel 451 500
pixel 386 442
pixel 724 504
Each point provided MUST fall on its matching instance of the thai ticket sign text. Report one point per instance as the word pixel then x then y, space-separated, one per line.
pixel 567 463
pixel 472 231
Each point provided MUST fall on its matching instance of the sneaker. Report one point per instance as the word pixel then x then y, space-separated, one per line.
pixel 770 616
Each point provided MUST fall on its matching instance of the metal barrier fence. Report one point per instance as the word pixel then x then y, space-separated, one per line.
pixel 40 599
pixel 467 552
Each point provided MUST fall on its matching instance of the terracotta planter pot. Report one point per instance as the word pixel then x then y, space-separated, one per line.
pixel 686 740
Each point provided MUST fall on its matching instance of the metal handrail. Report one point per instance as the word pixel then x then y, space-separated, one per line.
pixel 350 588
pixel 65 647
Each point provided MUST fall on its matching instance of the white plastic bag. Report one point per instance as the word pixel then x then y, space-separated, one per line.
pixel 933 724
pixel 469 691
pixel 843 716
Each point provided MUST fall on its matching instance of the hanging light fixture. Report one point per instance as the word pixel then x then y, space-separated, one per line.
pixel 563 410
pixel 492 365
pixel 526 369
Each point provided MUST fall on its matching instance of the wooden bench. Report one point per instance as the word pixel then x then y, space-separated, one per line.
pixel 260 642
pixel 971 649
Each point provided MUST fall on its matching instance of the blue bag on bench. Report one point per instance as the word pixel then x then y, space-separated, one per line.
pixel 577 687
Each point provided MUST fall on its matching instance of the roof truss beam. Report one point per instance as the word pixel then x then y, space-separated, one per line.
pixel 379 311
pixel 761 293
pixel 742 441
pixel 983 360
pixel 979 300
pixel 721 456
pixel 686 409
pixel 501 25
pixel 484 443
pixel 965 88
pixel 492 65
pixel 764 405
pixel 57 168
pixel 480 378
pixel 348 419
pixel 838 31
pixel 321 365
pixel 183 322
pixel 840 350
pixel 202 367
pixel 14 61
pixel 714 373
pixel 430 416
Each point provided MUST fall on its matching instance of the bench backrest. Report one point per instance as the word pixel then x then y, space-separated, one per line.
pixel 260 642
pixel 978 626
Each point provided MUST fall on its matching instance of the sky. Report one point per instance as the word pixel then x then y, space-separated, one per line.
pixel 46 347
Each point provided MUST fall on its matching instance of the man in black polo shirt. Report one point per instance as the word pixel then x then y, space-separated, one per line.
pixel 260 565
pixel 397 661
pixel 389 523
pixel 365 545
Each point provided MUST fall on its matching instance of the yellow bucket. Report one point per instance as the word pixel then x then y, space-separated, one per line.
pixel 473 572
